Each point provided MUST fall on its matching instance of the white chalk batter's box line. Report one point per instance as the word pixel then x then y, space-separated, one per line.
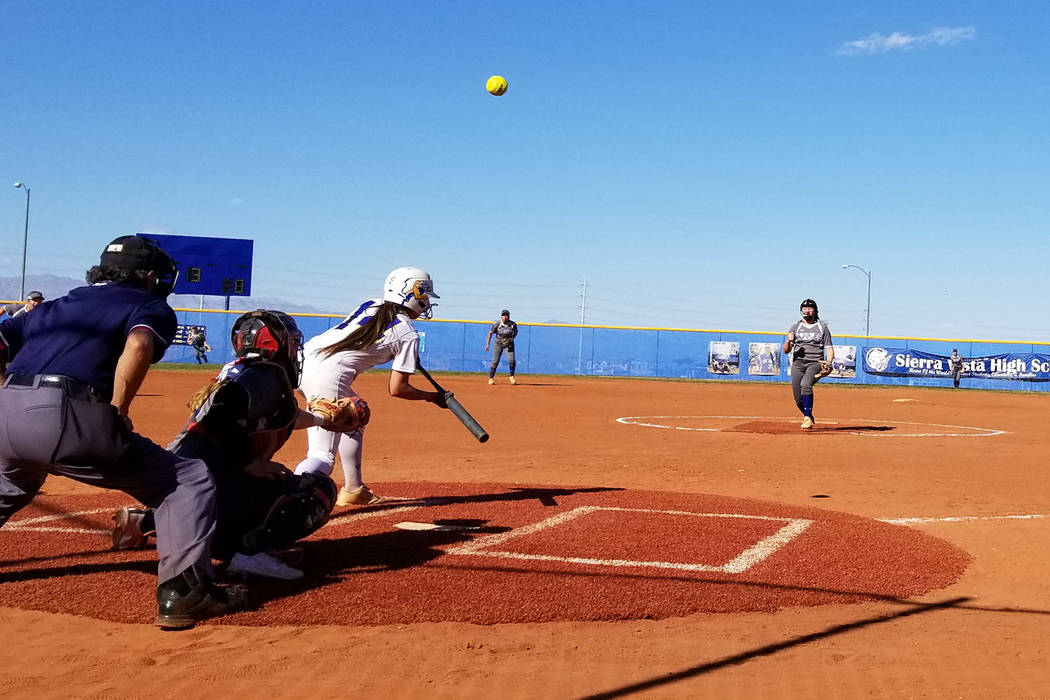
pixel 761 550
pixel 977 432
pixel 49 523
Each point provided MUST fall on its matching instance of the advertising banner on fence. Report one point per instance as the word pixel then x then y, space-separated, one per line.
pixel 915 363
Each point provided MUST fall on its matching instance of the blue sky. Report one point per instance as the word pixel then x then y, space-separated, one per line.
pixel 700 164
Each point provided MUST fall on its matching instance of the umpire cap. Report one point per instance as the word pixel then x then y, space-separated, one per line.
pixel 138 253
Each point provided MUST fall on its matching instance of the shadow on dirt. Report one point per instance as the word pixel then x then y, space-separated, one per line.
pixel 770 649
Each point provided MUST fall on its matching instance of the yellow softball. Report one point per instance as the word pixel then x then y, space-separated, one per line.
pixel 497 85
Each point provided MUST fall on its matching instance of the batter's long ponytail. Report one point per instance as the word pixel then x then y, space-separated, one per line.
pixel 368 332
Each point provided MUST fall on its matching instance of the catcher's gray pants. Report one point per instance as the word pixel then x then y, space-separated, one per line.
pixel 52 430
pixel 497 351
pixel 803 377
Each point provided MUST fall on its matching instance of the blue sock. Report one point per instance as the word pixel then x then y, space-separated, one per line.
pixel 807 406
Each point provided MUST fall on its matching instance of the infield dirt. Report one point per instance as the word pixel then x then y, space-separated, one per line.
pixel 982 636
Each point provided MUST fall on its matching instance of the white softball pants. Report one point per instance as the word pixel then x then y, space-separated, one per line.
pixel 331 381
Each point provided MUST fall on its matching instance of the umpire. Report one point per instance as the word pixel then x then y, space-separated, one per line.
pixel 76 364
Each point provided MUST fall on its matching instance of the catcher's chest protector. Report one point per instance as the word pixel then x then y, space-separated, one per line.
pixel 272 408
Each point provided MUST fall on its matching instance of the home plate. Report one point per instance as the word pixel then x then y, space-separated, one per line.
pixel 434 527
pixel 905 400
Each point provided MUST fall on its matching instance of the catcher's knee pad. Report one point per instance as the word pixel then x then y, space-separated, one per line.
pixel 302 509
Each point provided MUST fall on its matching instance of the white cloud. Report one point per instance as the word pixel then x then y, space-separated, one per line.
pixel 877 43
pixel 237 201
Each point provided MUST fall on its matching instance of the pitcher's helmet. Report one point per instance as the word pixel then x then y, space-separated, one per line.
pixel 412 288
pixel 272 335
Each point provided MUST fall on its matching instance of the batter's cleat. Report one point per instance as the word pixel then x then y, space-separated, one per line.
pixel 513 380
pixel 807 423
pixel 361 496
pixel 191 597
pixel 127 529
pixel 261 565
pixel 491 380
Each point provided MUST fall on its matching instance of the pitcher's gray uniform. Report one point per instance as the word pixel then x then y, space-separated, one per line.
pixel 806 342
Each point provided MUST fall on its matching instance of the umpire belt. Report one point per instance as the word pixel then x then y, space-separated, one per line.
pixel 74 388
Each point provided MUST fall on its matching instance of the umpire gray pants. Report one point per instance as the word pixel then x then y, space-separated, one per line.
pixel 44 431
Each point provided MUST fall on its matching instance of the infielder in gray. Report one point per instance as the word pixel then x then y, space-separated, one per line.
pixel 807 342
pixel 505 331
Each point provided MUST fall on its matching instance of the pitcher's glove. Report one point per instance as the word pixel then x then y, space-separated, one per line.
pixel 825 369
pixel 343 415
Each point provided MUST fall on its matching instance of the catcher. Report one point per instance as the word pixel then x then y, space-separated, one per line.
pixel 807 342
pixel 239 420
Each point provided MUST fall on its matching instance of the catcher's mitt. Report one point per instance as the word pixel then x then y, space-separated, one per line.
pixel 825 369
pixel 343 415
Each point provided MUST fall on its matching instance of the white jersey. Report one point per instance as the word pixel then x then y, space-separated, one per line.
pixel 400 343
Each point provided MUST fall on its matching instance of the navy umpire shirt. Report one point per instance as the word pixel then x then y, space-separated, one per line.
pixel 82 334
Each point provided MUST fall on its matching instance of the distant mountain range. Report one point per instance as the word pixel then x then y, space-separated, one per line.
pixel 51 286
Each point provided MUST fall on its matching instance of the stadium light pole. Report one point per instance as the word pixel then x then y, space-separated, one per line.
pixel 867 311
pixel 25 241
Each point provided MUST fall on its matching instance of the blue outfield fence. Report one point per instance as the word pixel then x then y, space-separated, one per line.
pixel 682 353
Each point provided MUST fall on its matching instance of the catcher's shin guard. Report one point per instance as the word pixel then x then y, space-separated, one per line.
pixel 304 508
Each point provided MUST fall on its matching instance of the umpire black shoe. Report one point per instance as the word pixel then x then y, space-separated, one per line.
pixel 191 597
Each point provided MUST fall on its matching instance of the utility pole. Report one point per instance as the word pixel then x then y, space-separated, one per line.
pixel 583 320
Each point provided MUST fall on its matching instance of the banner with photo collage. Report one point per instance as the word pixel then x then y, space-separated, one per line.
pixel 915 363
pixel 723 357
pixel 763 359
pixel 844 365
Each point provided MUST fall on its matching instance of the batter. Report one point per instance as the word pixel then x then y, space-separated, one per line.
pixel 378 331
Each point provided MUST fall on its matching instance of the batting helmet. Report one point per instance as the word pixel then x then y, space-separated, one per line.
pixel 272 335
pixel 412 288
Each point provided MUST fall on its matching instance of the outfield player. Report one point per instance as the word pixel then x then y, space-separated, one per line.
pixel 199 343
pixel 505 331
pixel 378 331
pixel 239 421
pixel 77 363
pixel 956 364
pixel 808 343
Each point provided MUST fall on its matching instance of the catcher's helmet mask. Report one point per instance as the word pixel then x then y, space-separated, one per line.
pixel 272 335
pixel 140 253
